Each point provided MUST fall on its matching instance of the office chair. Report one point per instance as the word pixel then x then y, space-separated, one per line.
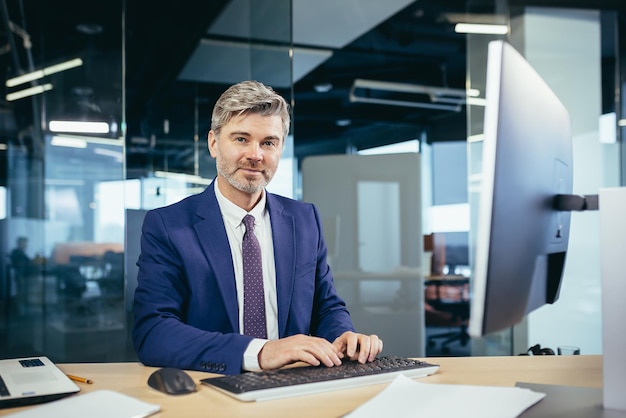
pixel 455 309
pixel 460 315
pixel 447 295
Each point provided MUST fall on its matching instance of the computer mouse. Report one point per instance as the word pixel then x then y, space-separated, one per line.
pixel 172 381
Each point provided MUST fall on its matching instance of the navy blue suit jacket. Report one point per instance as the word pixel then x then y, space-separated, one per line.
pixel 185 306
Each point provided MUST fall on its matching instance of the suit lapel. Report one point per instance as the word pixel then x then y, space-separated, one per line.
pixel 283 235
pixel 214 241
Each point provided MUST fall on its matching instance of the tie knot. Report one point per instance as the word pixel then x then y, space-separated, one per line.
pixel 248 221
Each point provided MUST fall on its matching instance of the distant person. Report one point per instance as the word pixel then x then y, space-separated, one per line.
pixel 190 300
pixel 19 259
pixel 23 266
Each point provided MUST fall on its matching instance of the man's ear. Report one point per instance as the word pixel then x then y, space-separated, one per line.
pixel 211 142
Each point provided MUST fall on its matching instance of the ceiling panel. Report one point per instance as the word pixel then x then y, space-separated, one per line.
pixel 228 62
pixel 263 28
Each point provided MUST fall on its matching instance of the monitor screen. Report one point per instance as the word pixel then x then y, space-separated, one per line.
pixel 521 239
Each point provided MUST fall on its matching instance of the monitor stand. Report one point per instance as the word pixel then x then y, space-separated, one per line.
pixel 608 402
pixel 568 401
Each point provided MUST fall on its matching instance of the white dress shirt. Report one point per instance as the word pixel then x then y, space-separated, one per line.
pixel 233 216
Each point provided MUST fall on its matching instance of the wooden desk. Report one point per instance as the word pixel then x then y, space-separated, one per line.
pixel 130 379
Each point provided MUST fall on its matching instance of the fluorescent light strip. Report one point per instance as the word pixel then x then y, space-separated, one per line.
pixel 117 142
pixel 118 155
pixel 60 141
pixel 35 75
pixel 478 28
pixel 78 127
pixel 31 91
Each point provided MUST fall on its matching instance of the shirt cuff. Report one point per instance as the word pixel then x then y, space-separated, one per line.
pixel 251 355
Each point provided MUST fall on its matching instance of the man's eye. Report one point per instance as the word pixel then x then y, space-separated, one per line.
pixel 270 144
pixel 240 139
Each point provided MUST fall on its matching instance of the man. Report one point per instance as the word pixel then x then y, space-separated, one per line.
pixel 20 261
pixel 23 267
pixel 189 302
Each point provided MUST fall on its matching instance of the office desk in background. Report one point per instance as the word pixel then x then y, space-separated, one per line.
pixel 130 379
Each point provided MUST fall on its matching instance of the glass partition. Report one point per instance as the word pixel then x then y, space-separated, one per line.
pixel 63 229
pixel 373 227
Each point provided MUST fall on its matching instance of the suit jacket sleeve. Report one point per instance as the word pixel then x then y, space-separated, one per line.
pixel 180 318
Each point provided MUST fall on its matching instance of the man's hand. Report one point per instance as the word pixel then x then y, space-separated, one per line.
pixel 359 347
pixel 311 350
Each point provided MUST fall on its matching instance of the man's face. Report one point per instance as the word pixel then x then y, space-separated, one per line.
pixel 247 151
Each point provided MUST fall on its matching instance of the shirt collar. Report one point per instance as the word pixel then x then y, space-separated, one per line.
pixel 233 214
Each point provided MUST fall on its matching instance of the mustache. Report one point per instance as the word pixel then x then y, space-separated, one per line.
pixel 251 166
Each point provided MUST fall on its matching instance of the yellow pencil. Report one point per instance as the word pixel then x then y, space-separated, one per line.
pixel 80 379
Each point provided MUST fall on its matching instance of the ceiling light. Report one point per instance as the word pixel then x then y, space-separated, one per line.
pixel 323 87
pixel 117 155
pixel 480 28
pixel 78 127
pixel 35 75
pixel 429 97
pixel 28 92
pixel 78 140
pixel 61 141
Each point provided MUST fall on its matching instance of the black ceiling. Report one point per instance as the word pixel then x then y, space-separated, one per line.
pixel 416 45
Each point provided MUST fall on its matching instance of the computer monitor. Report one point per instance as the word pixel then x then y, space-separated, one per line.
pixel 523 226
pixel 521 238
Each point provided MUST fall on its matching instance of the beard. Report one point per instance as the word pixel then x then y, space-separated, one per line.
pixel 246 184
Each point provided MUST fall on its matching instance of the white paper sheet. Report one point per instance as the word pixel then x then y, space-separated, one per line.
pixel 408 398
pixel 97 404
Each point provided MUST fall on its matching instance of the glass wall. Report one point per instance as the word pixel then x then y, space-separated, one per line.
pixel 63 224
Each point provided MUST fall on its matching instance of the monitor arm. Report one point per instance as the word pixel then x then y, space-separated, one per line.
pixel 571 202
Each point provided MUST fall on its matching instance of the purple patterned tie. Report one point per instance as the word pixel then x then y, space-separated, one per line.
pixel 253 296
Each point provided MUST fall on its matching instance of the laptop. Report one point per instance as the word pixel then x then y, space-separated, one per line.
pixel 31 380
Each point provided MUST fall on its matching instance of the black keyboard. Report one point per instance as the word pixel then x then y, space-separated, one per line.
pixel 295 381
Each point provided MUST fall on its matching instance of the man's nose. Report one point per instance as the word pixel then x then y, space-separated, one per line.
pixel 254 151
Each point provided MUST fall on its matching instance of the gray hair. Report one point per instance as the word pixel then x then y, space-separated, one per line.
pixel 249 97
